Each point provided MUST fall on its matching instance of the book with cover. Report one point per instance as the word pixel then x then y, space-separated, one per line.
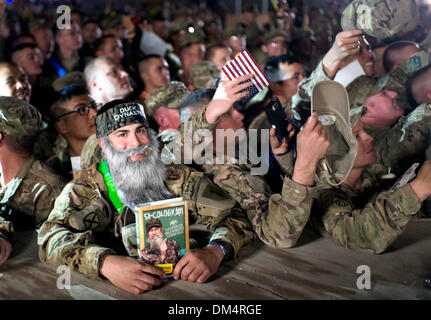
pixel 162 229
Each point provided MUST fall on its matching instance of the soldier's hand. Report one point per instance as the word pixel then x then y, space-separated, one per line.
pixel 422 184
pixel 198 265
pixel 228 92
pixel 312 143
pixel 5 250
pixel 346 44
pixel 129 274
pixel 277 146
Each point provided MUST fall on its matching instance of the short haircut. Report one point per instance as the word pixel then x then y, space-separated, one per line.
pixel 98 44
pixel 209 54
pixel 272 65
pixel 63 95
pixel 388 64
pixel 194 101
pixel 420 84
pixel 145 61
pixel 91 69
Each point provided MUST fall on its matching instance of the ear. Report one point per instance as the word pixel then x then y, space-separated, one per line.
pixel 160 117
pixel 428 96
pixel 191 87
pixel 61 127
pixel 102 146
pixel 264 48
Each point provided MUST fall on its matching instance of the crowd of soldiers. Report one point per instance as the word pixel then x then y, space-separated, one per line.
pixel 106 95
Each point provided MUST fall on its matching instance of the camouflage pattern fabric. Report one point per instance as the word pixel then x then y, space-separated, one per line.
pixel 119 116
pixel 204 75
pixel 60 161
pixel 29 197
pixel 91 152
pixel 277 219
pixel 189 39
pixel 83 210
pixel 168 96
pixel 381 19
pixel 176 26
pixel 411 136
pixel 19 120
pixel 368 222
pixel 172 254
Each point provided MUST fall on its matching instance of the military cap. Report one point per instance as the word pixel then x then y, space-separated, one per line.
pixel 153 223
pixel 189 38
pixel 360 89
pixel 75 78
pixel 168 96
pixel 176 26
pixel 233 30
pixel 117 114
pixel 381 18
pixel 331 101
pixel 19 120
pixel 204 75
pixel 271 34
pixel 112 21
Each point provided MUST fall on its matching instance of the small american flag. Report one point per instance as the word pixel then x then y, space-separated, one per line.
pixel 242 65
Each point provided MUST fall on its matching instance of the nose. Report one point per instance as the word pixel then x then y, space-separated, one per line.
pixel 368 138
pixel 19 84
pixel 301 77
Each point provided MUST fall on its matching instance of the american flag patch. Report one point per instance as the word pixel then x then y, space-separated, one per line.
pixel 242 65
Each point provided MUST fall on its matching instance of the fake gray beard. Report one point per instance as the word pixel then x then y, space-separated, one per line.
pixel 139 181
pixel 155 243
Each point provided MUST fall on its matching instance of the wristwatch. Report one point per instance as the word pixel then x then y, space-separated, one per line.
pixel 225 248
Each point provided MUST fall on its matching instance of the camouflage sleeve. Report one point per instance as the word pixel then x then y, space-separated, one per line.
pixel 67 236
pixel 286 162
pixel 412 137
pixel 288 213
pixel 277 219
pixel 301 100
pixel 370 229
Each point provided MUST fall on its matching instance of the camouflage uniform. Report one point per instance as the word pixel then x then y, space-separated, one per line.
pixel 368 221
pixel 411 136
pixel 387 19
pixel 276 218
pixel 28 198
pixel 60 161
pixel 83 211
pixel 83 215
pixel 204 75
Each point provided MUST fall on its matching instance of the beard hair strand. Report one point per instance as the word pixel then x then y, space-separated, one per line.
pixel 139 181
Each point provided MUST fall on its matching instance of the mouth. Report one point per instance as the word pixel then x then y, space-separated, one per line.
pixel 139 156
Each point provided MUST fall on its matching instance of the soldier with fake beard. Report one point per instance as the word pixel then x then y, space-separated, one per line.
pixel 99 200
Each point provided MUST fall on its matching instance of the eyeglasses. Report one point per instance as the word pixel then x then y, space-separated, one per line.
pixel 82 109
